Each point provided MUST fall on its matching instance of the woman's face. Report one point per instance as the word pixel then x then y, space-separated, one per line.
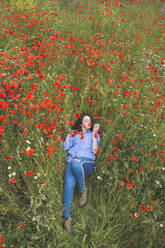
pixel 86 122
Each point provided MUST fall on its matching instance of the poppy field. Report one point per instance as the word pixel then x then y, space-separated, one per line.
pixel 59 59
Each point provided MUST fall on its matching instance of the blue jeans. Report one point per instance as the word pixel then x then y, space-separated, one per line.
pixel 76 170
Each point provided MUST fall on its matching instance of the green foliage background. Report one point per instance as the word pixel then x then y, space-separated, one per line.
pixel 59 58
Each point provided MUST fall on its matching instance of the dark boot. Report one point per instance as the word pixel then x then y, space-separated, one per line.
pixel 83 198
pixel 68 224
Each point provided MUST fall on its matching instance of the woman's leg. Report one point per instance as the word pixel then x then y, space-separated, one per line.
pixel 69 184
pixel 81 168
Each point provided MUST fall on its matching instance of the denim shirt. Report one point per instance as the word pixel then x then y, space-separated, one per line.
pixel 78 148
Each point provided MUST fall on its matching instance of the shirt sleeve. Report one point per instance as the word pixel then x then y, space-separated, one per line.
pixel 68 144
pixel 98 140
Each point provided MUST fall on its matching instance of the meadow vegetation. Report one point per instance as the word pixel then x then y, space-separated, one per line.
pixel 57 60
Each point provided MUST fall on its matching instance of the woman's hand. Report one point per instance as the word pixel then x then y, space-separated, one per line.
pixel 96 128
pixel 67 138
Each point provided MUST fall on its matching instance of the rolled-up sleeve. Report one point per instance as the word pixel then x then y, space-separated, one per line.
pixel 68 144
pixel 98 140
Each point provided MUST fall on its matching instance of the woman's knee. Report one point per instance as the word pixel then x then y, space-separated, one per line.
pixel 70 183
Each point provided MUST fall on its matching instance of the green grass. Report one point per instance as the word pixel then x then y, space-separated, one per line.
pixel 55 62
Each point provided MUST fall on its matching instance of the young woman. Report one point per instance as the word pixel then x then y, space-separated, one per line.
pixel 83 146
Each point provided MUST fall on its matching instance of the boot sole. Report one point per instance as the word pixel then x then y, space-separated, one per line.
pixel 72 223
pixel 81 206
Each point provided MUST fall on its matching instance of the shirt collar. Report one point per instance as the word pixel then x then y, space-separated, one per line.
pixel 88 131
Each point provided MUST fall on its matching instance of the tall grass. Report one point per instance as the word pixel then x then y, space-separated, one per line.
pixel 59 58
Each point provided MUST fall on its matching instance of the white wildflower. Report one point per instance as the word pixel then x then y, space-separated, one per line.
pixel 28 148
pixel 157 182
pixel 136 215
pixel 99 178
pixel 28 142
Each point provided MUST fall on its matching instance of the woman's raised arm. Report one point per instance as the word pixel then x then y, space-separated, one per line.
pixel 67 137
pixel 68 143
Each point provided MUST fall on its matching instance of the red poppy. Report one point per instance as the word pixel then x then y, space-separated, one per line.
pixel 50 150
pixel 12 180
pixel 95 135
pixel 109 121
pixel 121 56
pixel 119 136
pixel 71 123
pixel 1 240
pixel 41 183
pixel 151 209
pixel 30 172
pixel 134 157
pixel 74 133
pixel 21 226
pixel 126 93
pixel 122 183
pixel 30 152
pixel 130 185
pixel 38 71
pixel 47 129
pixel 82 137
pixel 25 131
pixel 143 208
pixel 98 152
pixel 8 158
